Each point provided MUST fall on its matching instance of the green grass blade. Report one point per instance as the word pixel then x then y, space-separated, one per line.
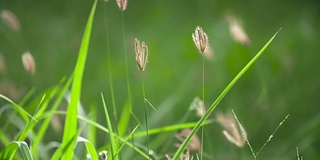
pixel 220 97
pixel 24 114
pixel 93 123
pixel 102 128
pixel 124 120
pixel 64 148
pixel 170 128
pixel 31 123
pixel 10 151
pixel 45 124
pixel 128 137
pixel 150 104
pixel 72 113
pixel 27 96
pixel 113 141
pixel 92 131
pixel 90 148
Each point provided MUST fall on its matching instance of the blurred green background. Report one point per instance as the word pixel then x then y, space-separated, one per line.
pixel 285 80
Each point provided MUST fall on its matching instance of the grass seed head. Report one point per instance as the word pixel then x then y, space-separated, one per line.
pixel 122 4
pixel 200 39
pixel 28 62
pixel 198 105
pixel 231 130
pixel 11 20
pixel 237 32
pixel 141 54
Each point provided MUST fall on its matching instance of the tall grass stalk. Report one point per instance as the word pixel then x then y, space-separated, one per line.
pixel 70 130
pixel 145 112
pixel 202 127
pixel 113 142
pixel 220 97
pixel 126 62
pixel 45 123
pixel 109 65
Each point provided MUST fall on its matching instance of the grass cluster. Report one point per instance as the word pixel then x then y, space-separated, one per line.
pixel 33 115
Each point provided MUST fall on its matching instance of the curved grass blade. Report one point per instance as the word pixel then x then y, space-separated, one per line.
pixel 95 124
pixel 170 128
pixel 43 128
pixel 72 113
pixel 24 114
pixel 90 148
pixel 220 97
pixel 31 123
pixel 10 151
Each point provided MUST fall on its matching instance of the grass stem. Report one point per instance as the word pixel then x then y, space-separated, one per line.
pixel 146 112
pixel 109 67
pixel 202 128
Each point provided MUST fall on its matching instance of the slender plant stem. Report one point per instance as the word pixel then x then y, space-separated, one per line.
pixel 202 127
pixel 127 77
pixel 146 111
pixel 126 61
pixel 203 79
pixel 109 67
pixel 114 107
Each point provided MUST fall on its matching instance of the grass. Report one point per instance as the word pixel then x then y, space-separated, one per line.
pixel 36 126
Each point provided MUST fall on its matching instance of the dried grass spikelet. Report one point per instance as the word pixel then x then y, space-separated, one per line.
pixel 200 39
pixel 186 156
pixel 231 130
pixel 28 62
pixel 141 54
pixel 198 105
pixel 237 32
pixel 194 144
pixel 122 4
pixel 11 20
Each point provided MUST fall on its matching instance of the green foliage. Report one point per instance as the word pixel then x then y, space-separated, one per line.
pixel 220 97
pixel 70 129
pixel 284 81
pixel 10 151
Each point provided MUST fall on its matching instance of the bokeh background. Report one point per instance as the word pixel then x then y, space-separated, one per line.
pixel 285 80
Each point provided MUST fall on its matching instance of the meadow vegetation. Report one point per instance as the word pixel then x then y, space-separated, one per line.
pixel 186 90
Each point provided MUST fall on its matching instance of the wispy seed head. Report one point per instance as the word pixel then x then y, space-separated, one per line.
pixel 231 130
pixel 141 54
pixel 11 20
pixel 198 105
pixel 237 32
pixel 28 62
pixel 122 4
pixel 200 39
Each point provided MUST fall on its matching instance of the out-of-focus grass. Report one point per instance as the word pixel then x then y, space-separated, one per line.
pixel 284 81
